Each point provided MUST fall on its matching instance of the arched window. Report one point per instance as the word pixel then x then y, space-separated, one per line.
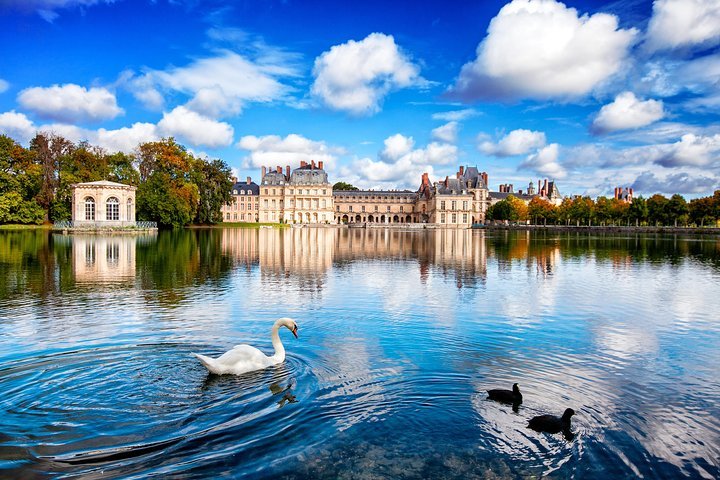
pixel 89 208
pixel 129 216
pixel 112 209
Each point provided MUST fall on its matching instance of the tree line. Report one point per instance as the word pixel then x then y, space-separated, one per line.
pixel 657 210
pixel 174 187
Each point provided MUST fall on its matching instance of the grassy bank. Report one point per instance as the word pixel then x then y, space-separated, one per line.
pixel 18 226
pixel 609 229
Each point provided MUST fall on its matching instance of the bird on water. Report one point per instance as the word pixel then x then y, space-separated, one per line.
pixel 551 423
pixel 506 396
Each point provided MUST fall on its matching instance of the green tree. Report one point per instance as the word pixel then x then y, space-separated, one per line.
pixel 657 211
pixel 166 194
pixel 638 210
pixel 582 210
pixel 213 181
pixel 48 150
pixel 121 169
pixel 344 186
pixel 19 184
pixel 702 211
pixel 603 210
pixel 677 210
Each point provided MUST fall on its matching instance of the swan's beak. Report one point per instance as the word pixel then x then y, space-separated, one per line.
pixel 294 331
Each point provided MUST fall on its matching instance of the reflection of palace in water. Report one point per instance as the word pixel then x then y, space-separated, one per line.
pixel 309 253
pixel 98 259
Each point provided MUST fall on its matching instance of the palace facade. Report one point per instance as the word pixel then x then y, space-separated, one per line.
pixel 305 196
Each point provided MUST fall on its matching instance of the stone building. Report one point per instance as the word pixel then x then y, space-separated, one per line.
pixel 103 204
pixel 303 195
pixel 245 203
pixel 370 206
pixel 546 190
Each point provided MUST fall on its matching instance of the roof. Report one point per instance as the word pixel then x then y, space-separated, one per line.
pixel 504 195
pixel 454 186
pixel 369 193
pixel 251 188
pixel 308 176
pixel 274 177
pixel 102 183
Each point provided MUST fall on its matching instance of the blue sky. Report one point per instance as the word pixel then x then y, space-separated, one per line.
pixel 591 94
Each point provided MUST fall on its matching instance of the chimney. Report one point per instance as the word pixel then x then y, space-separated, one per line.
pixel 249 180
pixel 545 185
pixel 510 188
pixel 234 179
pixel 457 175
pixel 485 179
pixel 287 169
pixel 462 170
pixel 540 188
pixel 279 169
pixel 312 164
pixel 425 179
pixel 262 176
pixel 446 181
pixel 631 192
pixel 320 164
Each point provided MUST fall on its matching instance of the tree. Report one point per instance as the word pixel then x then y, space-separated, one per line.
pixel 638 210
pixel 213 181
pixel 603 210
pixel 344 186
pixel 520 209
pixel 656 206
pixel 583 208
pixel 702 211
pixel 539 208
pixel 167 193
pixel 48 149
pixel 677 210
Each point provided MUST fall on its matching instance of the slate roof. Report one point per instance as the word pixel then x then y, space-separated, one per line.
pixel 308 176
pixel 504 195
pixel 379 193
pixel 101 183
pixel 250 189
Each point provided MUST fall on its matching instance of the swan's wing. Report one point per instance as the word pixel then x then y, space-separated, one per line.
pixel 244 354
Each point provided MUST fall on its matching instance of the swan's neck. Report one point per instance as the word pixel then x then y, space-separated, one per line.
pixel 279 355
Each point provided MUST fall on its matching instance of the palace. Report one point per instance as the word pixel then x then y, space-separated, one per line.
pixel 305 196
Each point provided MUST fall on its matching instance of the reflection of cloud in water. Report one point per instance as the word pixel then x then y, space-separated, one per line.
pixel 351 390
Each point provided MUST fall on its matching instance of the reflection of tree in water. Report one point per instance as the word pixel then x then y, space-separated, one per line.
pixel 35 262
pixel 179 259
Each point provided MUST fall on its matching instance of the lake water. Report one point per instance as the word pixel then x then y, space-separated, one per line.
pixel 400 333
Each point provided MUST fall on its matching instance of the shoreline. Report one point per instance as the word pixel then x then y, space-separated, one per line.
pixel 606 229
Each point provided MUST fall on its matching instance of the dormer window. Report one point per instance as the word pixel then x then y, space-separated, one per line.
pixel 234 192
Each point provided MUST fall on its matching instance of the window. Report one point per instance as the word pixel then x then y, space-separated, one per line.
pixel 401 208
pixel 242 192
pixel 454 218
pixel 273 203
pixel 265 203
pixel 112 253
pixel 291 191
pixel 453 205
pixel 324 203
pixel 464 217
pixel 235 217
pixel 350 208
pixel 273 191
pixel 363 208
pixel 315 203
pixel 388 208
pixel 266 191
pixel 442 218
pixel 314 191
pixel 292 203
pixel 324 192
pixel 338 208
pixel 442 205
pixel 129 210
pixel 227 216
pixel 89 208
pixel 376 208
pixel 234 192
pixel 112 209
pixel 465 205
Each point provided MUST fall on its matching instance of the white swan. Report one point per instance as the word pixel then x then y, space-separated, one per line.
pixel 244 358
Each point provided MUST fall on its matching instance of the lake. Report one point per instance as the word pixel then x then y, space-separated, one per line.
pixel 400 335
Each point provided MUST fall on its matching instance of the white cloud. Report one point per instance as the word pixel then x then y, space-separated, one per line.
pixel 683 183
pixel 217 86
pixel 627 112
pixel 17 126
pixel 356 76
pixel 456 115
pixel 195 128
pixel 126 139
pixel 517 142
pixel 683 23
pixel 4 85
pixel 691 150
pixel 542 49
pixel 545 162
pixel 70 102
pixel 273 150
pixel 447 133
pixel 399 164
